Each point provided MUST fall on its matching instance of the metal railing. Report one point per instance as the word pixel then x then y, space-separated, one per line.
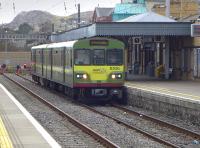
pixel 9 36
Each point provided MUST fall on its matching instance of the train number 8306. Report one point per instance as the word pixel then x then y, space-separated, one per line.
pixel 114 68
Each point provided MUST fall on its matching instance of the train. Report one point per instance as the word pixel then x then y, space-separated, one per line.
pixel 87 68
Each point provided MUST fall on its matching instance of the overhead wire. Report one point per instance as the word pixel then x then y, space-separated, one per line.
pixel 14 7
pixel 65 6
pixel 55 5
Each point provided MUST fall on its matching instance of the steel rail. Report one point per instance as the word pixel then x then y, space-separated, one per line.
pixel 125 124
pixel 83 127
pixel 159 121
pixel 134 128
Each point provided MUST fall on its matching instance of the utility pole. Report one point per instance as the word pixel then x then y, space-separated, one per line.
pixel 79 16
pixel 167 8
pixel 181 9
pixel 6 46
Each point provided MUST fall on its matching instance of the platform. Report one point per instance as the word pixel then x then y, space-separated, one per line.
pixel 18 128
pixel 175 98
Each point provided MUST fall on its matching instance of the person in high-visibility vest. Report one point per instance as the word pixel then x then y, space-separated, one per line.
pixel 159 70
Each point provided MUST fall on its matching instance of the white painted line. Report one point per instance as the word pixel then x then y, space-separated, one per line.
pixel 161 93
pixel 35 123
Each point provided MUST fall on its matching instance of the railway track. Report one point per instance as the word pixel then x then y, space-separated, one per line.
pixel 160 122
pixel 143 116
pixel 151 135
pixel 104 141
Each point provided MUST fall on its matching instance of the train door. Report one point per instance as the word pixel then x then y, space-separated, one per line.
pixel 51 62
pixel 63 62
pixel 68 67
pixel 39 62
pixel 48 63
pixel 33 60
pixel 42 61
pixel 45 53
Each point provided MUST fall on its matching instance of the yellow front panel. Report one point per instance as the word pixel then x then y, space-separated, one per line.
pixel 98 72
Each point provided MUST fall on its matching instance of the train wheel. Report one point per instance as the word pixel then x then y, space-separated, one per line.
pixel 74 94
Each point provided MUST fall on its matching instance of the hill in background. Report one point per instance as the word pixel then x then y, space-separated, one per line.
pixel 42 21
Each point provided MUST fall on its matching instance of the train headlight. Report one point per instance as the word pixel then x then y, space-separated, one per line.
pixel 84 76
pixel 113 76
pixel 81 76
pixel 116 76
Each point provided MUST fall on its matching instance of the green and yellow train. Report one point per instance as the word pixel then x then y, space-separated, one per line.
pixel 87 68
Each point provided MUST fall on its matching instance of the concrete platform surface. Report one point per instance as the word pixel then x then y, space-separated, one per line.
pixel 18 128
pixel 179 99
pixel 189 90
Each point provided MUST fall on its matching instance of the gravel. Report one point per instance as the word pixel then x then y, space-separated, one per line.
pixel 115 132
pixel 181 123
pixel 66 134
pixel 151 127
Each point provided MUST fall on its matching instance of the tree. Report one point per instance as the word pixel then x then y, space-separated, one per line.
pixel 25 28
pixel 46 27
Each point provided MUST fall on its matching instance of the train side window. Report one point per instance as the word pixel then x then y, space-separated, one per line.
pixel 70 57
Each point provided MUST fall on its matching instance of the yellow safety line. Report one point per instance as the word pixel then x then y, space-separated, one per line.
pixel 148 87
pixel 164 90
pixel 5 141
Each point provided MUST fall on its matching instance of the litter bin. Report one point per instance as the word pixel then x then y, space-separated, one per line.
pixel 159 70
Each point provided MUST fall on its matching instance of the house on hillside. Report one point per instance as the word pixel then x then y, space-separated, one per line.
pixel 128 8
pixel 102 15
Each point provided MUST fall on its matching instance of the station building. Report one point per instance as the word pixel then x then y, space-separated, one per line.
pixel 157 47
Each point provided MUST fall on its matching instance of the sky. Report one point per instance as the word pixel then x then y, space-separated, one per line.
pixel 8 11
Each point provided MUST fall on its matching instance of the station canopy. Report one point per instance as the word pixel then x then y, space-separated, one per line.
pixel 147 24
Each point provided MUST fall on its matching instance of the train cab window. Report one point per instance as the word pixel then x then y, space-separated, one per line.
pixel 99 57
pixel 82 57
pixel 114 57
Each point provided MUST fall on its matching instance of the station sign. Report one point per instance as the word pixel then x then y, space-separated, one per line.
pixel 137 40
pixel 195 30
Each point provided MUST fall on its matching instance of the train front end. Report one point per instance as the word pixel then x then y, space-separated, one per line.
pixel 99 68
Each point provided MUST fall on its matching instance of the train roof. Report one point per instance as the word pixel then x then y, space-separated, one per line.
pixel 69 44
pixel 40 46
pixel 55 45
pixel 62 44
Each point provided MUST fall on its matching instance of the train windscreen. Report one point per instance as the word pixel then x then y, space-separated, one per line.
pixel 114 57
pixel 82 57
pixel 99 57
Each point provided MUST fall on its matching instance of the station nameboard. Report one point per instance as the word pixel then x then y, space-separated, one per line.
pixel 195 30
